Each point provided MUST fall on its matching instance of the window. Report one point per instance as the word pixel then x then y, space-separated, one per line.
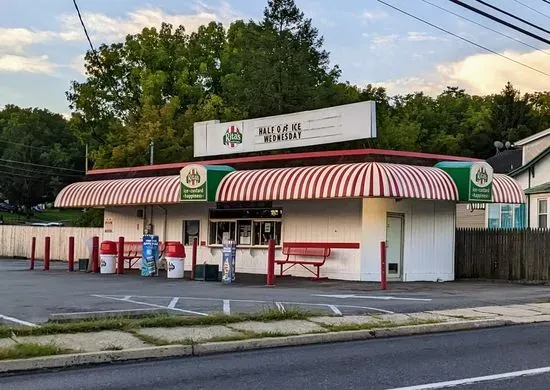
pixel 506 216
pixel 191 231
pixel 543 213
pixel 249 227
pixel 221 231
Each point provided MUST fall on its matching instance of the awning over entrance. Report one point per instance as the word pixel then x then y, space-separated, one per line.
pixel 338 181
pixel 506 190
pixel 123 192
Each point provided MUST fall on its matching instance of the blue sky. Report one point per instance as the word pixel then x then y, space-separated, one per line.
pixel 42 44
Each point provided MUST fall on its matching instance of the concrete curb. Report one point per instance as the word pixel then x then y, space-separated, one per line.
pixel 170 351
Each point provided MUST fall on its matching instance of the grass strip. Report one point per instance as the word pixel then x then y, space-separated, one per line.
pixel 152 321
pixel 378 325
pixel 25 351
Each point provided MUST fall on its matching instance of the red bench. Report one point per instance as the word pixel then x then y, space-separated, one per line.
pixel 133 252
pixel 305 254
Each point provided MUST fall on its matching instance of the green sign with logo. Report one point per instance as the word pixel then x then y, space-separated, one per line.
pixel 200 182
pixel 474 180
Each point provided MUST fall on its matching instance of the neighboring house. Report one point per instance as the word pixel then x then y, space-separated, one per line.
pixel 529 164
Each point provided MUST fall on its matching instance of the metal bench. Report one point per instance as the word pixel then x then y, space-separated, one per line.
pixel 306 255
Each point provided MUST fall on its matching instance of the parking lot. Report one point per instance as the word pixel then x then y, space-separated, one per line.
pixel 34 297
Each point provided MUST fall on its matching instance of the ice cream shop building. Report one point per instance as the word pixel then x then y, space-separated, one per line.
pixel 347 200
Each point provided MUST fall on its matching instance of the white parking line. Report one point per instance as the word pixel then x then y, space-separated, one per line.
pixel 17 321
pixel 335 310
pixel 226 306
pixel 173 303
pixel 151 304
pixel 75 313
pixel 280 307
pixel 479 379
pixel 382 297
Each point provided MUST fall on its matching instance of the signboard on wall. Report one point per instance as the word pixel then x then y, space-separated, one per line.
pixel 200 182
pixel 327 125
pixel 108 225
pixel 474 180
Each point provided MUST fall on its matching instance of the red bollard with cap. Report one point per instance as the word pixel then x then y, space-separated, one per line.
pixel 47 254
pixel 33 253
pixel 271 263
pixel 120 261
pixel 383 284
pixel 71 254
pixel 194 258
pixel 95 254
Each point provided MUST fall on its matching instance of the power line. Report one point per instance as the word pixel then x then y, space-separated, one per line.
pixel 94 52
pixel 41 165
pixel 39 172
pixel 464 39
pixel 533 9
pixel 513 16
pixel 486 27
pixel 25 145
pixel 501 21
pixel 22 175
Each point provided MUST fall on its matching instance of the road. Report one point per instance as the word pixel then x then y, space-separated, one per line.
pixel 374 364
pixel 36 296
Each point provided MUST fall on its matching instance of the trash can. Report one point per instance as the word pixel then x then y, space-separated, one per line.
pixel 175 260
pixel 107 257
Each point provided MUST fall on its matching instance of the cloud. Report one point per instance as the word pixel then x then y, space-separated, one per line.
pixel 381 41
pixel 78 64
pixel 414 36
pixel 18 64
pixel 479 74
pixel 107 28
pixel 15 39
pixel 373 15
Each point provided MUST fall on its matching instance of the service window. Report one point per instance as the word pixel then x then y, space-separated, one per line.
pixel 221 231
pixel 543 213
pixel 265 231
pixel 191 230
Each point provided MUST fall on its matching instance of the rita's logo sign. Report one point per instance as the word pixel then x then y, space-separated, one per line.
pixel 232 137
pixel 193 178
pixel 482 176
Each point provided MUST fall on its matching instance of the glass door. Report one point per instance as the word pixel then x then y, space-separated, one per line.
pixel 395 226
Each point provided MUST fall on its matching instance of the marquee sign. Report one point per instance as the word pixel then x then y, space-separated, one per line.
pixel 327 125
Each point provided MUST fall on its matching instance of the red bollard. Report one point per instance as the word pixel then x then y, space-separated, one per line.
pixel 47 254
pixel 271 263
pixel 383 284
pixel 120 259
pixel 194 258
pixel 71 254
pixel 33 253
pixel 95 254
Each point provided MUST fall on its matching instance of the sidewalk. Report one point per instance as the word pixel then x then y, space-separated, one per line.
pixel 143 342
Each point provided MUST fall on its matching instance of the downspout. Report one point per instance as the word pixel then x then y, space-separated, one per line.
pixel 165 222
pixel 528 208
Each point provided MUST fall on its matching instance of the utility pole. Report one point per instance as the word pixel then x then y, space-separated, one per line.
pixel 152 161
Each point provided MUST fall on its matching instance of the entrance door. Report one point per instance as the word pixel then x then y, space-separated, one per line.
pixel 395 225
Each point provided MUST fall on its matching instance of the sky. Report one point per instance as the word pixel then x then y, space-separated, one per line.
pixel 42 43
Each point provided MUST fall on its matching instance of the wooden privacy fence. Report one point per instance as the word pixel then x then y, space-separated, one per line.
pixel 507 254
pixel 15 241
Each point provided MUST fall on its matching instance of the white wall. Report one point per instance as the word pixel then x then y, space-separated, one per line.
pixel 309 221
pixel 533 149
pixel 428 238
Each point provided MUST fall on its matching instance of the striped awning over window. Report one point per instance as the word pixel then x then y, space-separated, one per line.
pixel 338 181
pixel 122 192
pixel 506 190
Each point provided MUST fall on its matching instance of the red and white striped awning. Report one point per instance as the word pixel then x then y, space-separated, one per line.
pixel 122 192
pixel 506 190
pixel 338 181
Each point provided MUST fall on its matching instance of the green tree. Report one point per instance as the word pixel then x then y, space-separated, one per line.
pixel 39 155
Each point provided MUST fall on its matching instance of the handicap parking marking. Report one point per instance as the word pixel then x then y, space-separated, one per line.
pixel 18 321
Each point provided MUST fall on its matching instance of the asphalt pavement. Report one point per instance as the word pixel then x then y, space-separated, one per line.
pixel 36 296
pixel 400 363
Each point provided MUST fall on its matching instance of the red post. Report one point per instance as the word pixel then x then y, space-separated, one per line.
pixel 194 258
pixel 120 262
pixel 71 254
pixel 47 254
pixel 383 284
pixel 95 254
pixel 271 263
pixel 33 253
